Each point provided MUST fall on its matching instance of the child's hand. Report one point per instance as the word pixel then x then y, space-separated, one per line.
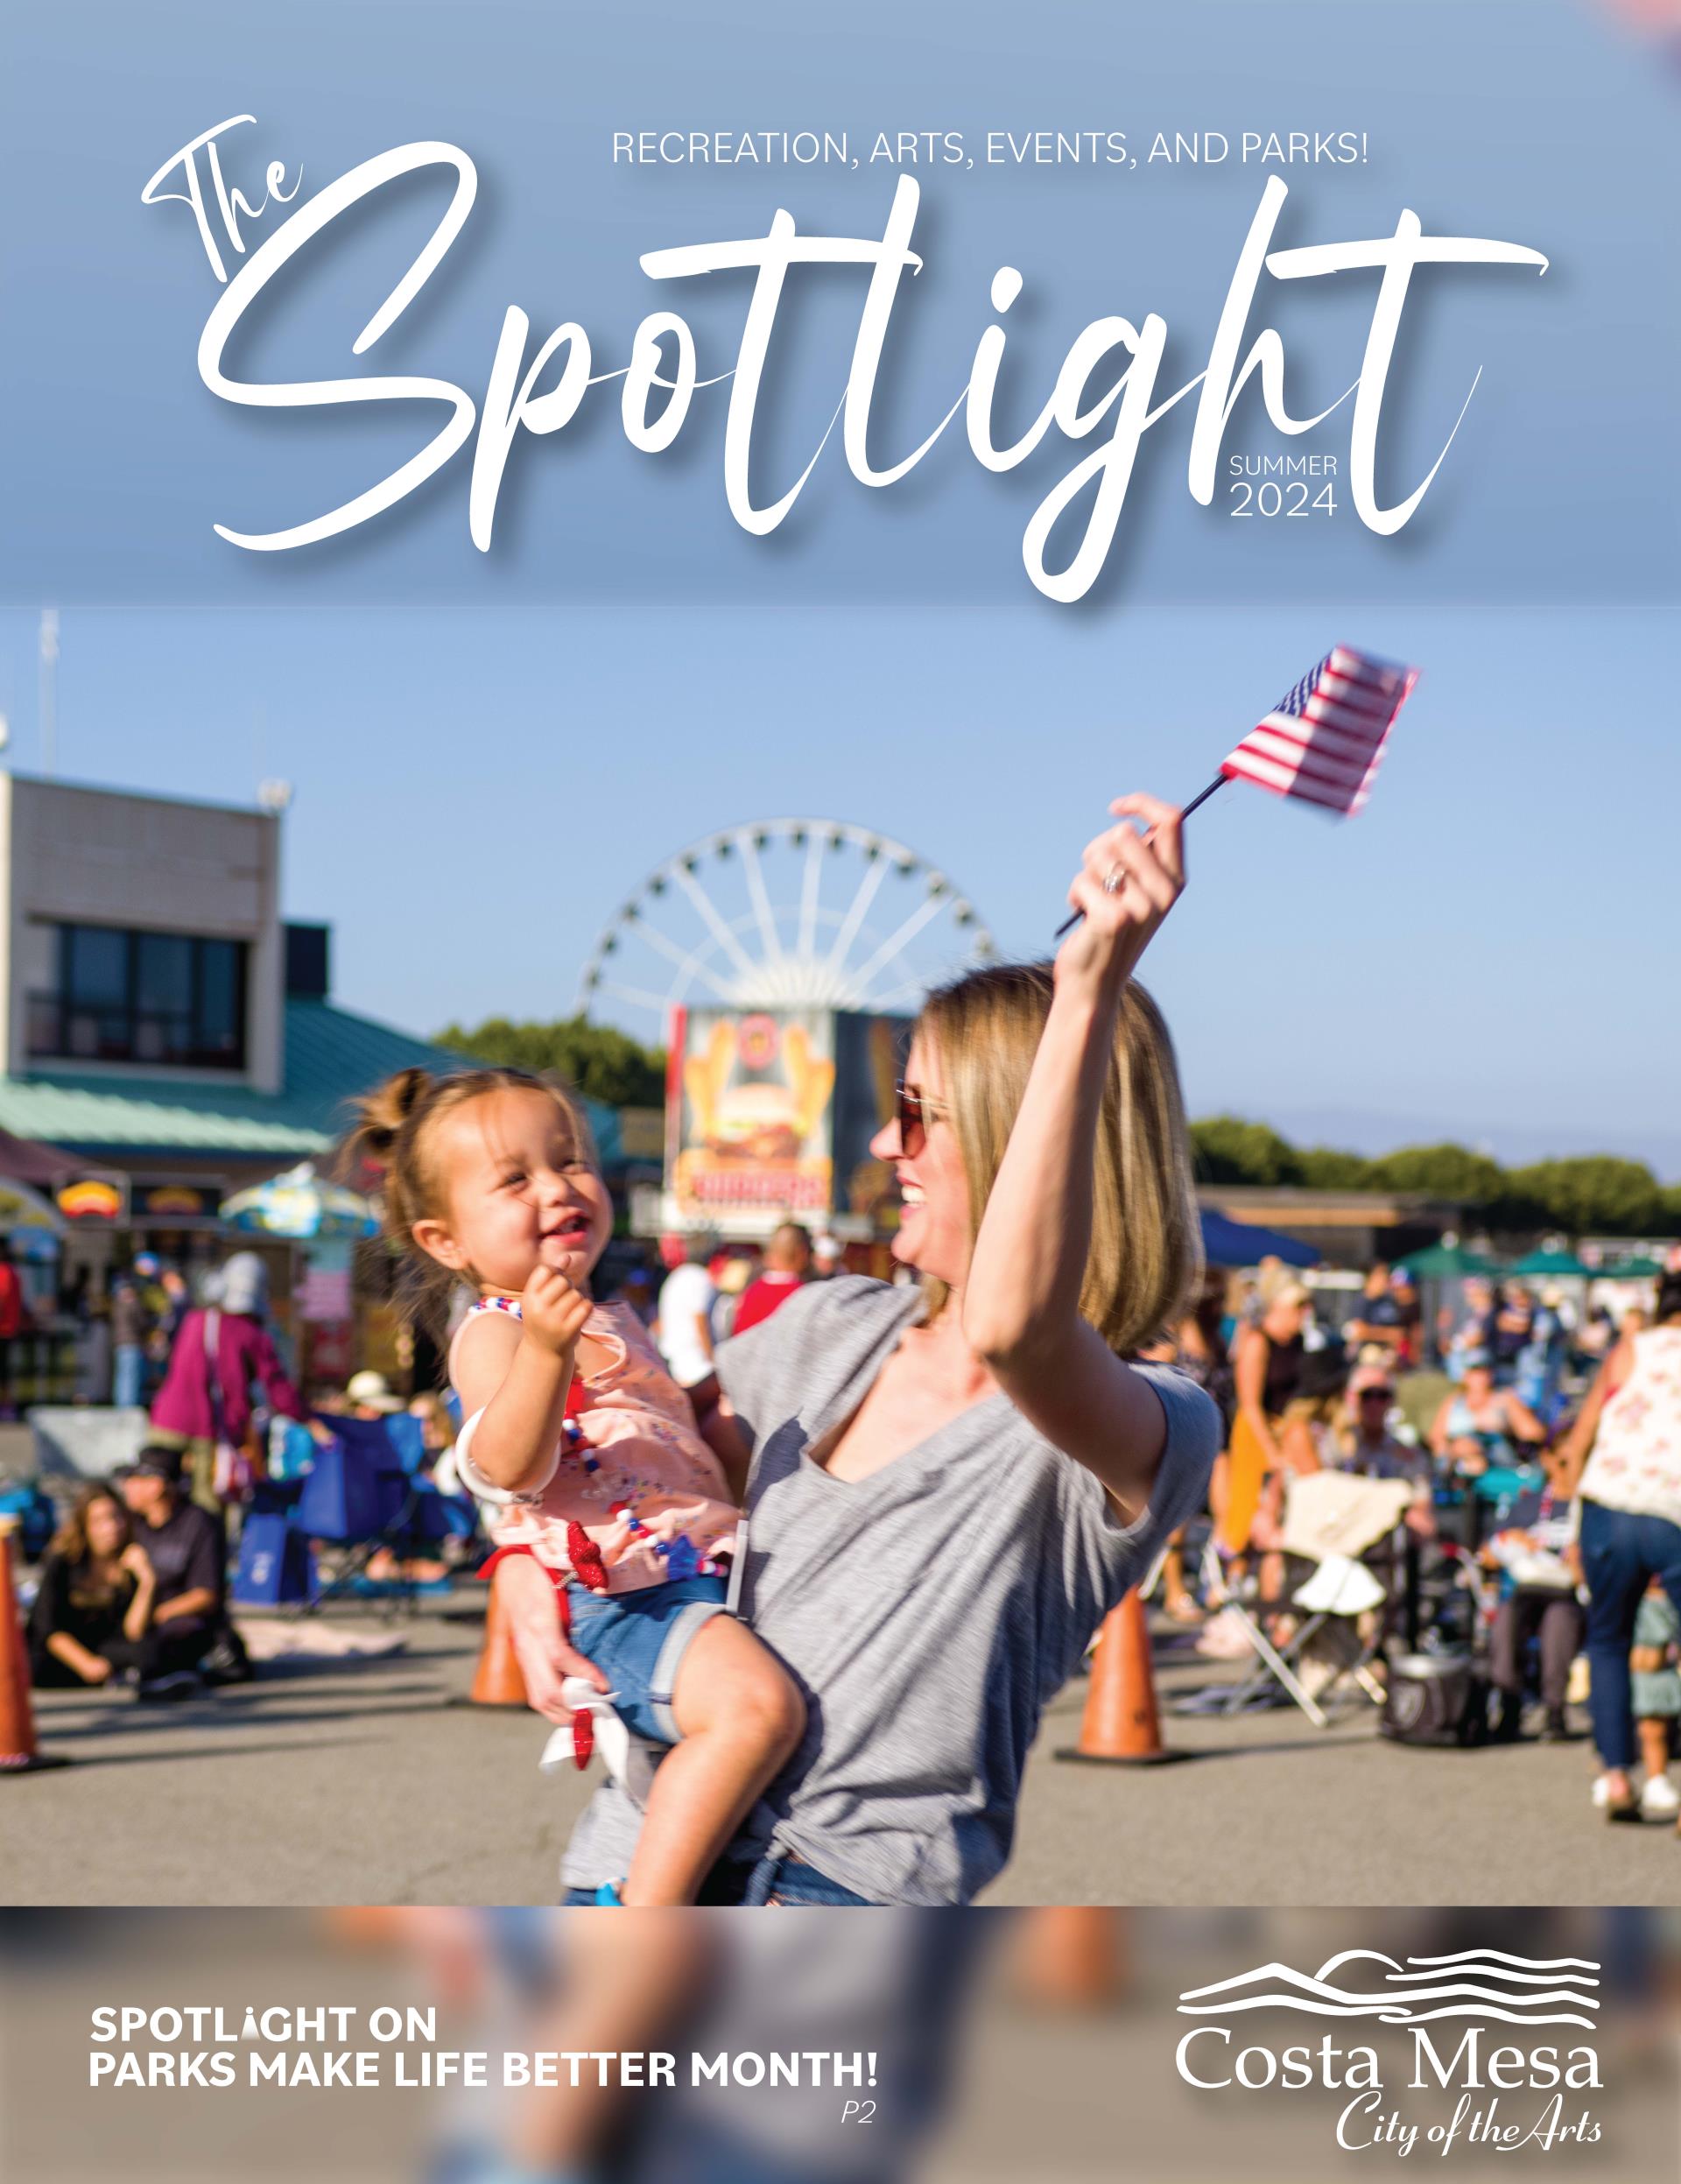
pixel 552 1312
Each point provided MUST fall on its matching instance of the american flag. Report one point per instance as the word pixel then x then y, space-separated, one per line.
pixel 1323 740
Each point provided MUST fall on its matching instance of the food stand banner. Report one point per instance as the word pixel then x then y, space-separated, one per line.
pixel 750 1116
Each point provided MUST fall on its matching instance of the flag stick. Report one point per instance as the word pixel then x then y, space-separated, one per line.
pixel 1201 797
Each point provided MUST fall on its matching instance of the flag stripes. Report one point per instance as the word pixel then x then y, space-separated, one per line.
pixel 1323 740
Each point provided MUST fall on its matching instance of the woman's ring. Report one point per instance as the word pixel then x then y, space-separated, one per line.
pixel 1114 880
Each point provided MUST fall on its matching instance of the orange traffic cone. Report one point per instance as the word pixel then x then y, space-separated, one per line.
pixel 1072 1956
pixel 497 1680
pixel 1122 1726
pixel 18 1754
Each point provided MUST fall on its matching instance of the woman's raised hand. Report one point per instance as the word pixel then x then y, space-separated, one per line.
pixel 1126 885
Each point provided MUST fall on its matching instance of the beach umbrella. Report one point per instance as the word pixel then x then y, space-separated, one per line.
pixel 1445 1261
pixel 1555 1265
pixel 300 1205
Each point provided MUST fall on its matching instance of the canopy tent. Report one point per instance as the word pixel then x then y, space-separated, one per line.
pixel 1445 1261
pixel 22 1206
pixel 1635 1269
pixel 1555 1265
pixel 301 1206
pixel 43 1167
pixel 1228 1242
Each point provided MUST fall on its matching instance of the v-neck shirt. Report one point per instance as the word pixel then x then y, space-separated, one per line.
pixel 929 1610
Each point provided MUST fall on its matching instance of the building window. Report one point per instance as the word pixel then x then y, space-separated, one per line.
pixel 174 1000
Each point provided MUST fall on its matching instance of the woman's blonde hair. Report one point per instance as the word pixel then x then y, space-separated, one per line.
pixel 1145 1259
pixel 393 1130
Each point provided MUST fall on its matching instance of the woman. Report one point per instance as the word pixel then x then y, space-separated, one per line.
pixel 91 1614
pixel 1197 1347
pixel 1631 1488
pixel 951 1487
pixel 1267 1365
pixel 1483 1427
pixel 220 1351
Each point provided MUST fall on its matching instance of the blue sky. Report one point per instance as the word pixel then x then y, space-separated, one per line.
pixel 488 749
pixel 1479 953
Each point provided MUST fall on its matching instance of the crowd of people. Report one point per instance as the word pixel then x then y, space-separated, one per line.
pixel 132 1592
pixel 947 1480
pixel 1549 1576
pixel 119 1327
pixel 1542 1536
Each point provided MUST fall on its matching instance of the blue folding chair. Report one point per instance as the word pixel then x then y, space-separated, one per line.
pixel 357 1497
pixel 436 1517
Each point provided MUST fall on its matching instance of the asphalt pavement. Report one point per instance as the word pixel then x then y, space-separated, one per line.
pixel 369 1782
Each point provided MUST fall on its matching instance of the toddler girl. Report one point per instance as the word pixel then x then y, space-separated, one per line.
pixel 583 1450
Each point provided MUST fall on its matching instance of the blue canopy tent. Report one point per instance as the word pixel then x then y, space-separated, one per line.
pixel 1228 1243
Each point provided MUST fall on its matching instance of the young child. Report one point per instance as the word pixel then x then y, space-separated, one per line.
pixel 1656 1699
pixel 585 1452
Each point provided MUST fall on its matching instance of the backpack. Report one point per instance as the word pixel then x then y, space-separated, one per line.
pixel 1437 1699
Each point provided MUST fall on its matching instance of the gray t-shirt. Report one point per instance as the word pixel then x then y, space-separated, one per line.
pixel 928 1612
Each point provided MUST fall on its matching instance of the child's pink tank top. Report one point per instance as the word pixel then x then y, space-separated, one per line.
pixel 632 1468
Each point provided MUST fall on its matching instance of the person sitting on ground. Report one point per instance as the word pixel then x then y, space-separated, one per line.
pixel 92 1612
pixel 1480 1429
pixel 185 1548
pixel 787 1263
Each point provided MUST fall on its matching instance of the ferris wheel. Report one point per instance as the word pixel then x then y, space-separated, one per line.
pixel 785 914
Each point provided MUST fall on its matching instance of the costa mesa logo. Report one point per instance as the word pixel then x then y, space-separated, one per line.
pixel 1453 2012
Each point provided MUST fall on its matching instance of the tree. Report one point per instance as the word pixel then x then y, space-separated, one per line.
pixel 1445 1171
pixel 1593 1195
pixel 1324 1168
pixel 602 1063
pixel 1229 1150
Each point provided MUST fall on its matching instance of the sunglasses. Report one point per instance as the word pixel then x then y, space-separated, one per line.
pixel 915 1112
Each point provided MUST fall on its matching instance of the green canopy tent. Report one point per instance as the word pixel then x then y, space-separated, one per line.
pixel 1445 1261
pixel 1554 1266
pixel 1629 1269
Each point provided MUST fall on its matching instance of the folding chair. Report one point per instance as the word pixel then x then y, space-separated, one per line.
pixel 357 1497
pixel 1330 1517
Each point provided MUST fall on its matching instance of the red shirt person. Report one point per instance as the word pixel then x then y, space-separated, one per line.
pixel 787 1264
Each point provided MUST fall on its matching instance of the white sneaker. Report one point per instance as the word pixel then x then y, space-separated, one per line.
pixel 1659 1799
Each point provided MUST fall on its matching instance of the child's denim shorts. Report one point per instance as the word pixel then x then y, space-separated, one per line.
pixel 638 1639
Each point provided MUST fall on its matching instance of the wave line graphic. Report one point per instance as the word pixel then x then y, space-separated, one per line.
pixel 1466 1982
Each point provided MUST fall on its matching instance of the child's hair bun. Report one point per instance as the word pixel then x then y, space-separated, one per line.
pixel 378 1117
